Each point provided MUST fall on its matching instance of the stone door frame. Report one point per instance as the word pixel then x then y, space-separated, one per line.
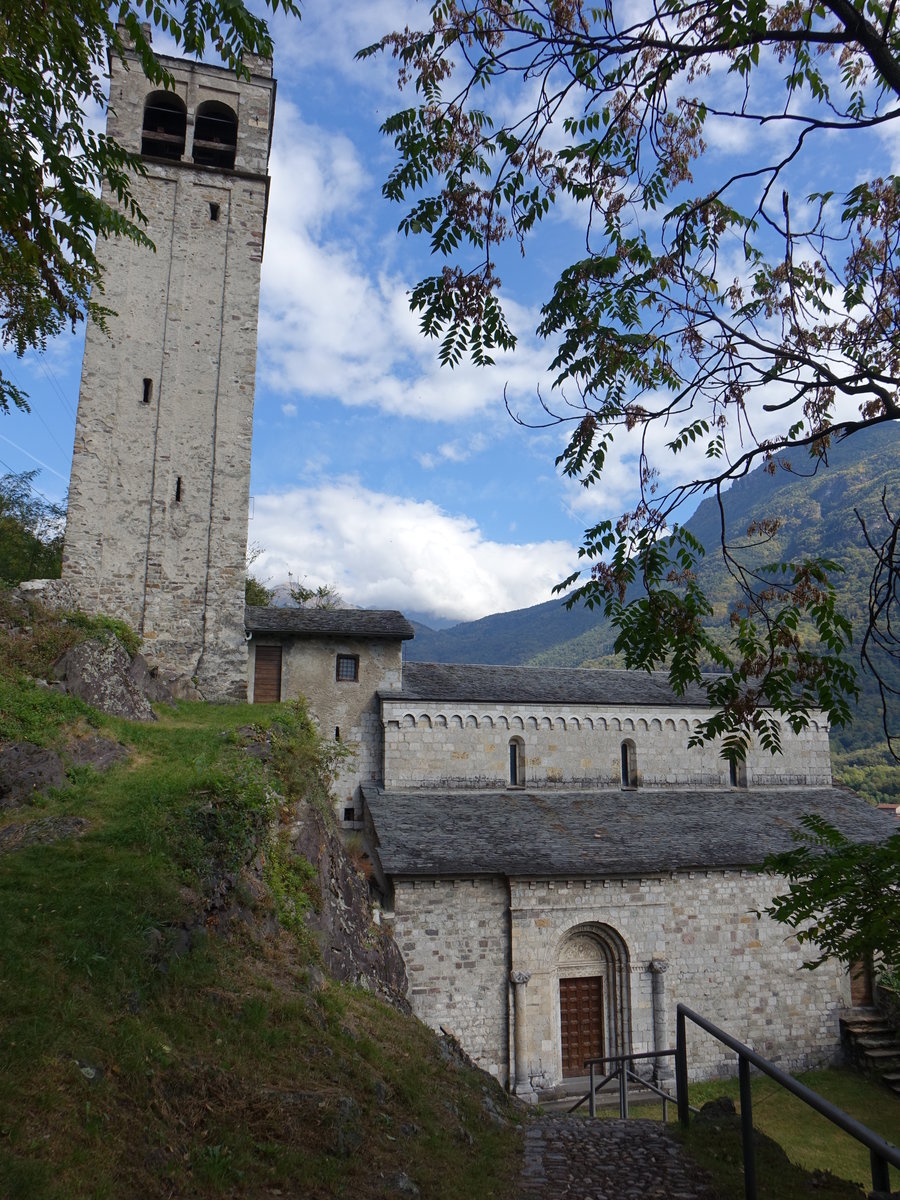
pixel 591 949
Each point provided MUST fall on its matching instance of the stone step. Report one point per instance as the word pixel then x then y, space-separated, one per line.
pixel 852 1025
pixel 883 1054
pixel 877 1040
pixel 869 1030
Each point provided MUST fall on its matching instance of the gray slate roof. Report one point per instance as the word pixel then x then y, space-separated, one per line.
pixel 537 685
pixel 603 833
pixel 325 622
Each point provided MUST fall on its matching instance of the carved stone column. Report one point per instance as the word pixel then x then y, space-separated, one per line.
pixel 522 1085
pixel 662 1068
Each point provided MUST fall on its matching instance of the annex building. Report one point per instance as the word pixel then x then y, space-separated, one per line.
pixel 559 866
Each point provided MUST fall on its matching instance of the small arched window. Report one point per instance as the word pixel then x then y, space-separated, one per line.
pixel 737 770
pixel 165 122
pixel 215 135
pixel 629 764
pixel 516 762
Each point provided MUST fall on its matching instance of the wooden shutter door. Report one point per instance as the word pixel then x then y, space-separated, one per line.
pixel 267 675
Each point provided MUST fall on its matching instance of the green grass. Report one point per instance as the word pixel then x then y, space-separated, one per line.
pixel 127 1070
pixel 808 1139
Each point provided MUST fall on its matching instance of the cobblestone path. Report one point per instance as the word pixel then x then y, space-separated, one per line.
pixel 570 1157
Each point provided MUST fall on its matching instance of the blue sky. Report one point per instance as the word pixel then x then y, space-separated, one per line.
pixel 404 484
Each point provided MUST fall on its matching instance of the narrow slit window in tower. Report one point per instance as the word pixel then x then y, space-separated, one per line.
pixel 178 490
pixel 213 211
pixel 147 394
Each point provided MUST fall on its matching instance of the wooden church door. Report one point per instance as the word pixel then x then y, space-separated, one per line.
pixel 581 1022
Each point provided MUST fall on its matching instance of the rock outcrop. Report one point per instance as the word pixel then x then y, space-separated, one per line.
pixel 97 671
pixel 28 771
pixel 353 948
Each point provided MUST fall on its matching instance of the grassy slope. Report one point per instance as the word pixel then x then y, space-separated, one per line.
pixel 129 1068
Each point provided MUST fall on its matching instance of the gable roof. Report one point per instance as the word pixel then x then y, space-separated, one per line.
pixel 603 833
pixel 326 622
pixel 538 685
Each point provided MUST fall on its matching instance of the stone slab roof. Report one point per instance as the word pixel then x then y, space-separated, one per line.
pixel 537 685
pixel 603 833
pixel 327 622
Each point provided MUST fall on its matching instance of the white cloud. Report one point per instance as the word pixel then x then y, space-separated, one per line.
pixel 334 322
pixel 385 551
pixel 458 451
pixel 289 410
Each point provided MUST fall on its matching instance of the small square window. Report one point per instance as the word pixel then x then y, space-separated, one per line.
pixel 347 668
pixel 349 814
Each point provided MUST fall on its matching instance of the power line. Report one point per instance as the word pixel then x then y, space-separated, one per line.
pixel 51 375
pixel 29 484
pixel 37 412
pixel 28 454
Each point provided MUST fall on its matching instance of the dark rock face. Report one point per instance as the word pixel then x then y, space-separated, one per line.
pixel 40 832
pixel 97 671
pixel 96 752
pixel 353 949
pixel 27 771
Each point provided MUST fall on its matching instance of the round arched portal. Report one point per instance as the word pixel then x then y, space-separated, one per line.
pixel 594 996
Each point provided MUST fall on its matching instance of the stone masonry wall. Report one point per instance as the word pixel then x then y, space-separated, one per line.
pixel 740 971
pixel 459 943
pixel 443 746
pixel 308 669
pixel 454 938
pixel 157 525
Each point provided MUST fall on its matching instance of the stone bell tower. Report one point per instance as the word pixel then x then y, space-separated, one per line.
pixel 158 502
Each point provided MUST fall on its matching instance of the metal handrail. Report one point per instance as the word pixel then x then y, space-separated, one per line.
pixel 623 1073
pixel 881 1153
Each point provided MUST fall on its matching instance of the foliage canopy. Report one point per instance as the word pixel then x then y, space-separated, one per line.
pixel 721 319
pixel 31 531
pixel 843 898
pixel 63 185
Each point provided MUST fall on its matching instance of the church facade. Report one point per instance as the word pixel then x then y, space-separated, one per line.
pixel 559 865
